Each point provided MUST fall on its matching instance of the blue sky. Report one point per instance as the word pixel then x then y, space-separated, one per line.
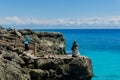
pixel 55 12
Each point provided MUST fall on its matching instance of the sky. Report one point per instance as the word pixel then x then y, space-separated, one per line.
pixel 68 13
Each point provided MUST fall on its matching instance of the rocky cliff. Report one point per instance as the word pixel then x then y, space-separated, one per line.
pixel 47 43
pixel 50 63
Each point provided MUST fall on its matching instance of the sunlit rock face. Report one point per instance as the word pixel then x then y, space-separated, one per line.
pixel 52 62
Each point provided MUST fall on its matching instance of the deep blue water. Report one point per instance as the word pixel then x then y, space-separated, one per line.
pixel 102 46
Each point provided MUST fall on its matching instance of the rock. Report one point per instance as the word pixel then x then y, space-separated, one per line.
pixel 50 62
pixel 12 57
pixel 2 30
pixel 51 43
pixel 26 32
pixel 27 59
pixel 38 74
pixel 19 34
pixel 79 68
pixel 47 42
pixel 10 71
pixel 75 55
pixel 4 47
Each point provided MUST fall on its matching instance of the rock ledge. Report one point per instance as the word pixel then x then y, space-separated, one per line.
pixel 50 63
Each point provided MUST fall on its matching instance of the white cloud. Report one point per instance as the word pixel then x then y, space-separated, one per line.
pixel 115 20
pixel 13 19
pixel 27 21
pixel 93 21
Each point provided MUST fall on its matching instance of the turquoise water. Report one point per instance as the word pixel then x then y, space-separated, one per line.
pixel 101 46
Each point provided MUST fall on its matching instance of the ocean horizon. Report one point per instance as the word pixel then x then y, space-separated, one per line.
pixel 102 46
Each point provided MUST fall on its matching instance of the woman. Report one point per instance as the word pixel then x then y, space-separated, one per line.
pixel 26 42
pixel 75 49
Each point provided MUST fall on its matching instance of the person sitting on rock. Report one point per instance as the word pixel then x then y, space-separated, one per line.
pixel 75 49
pixel 26 42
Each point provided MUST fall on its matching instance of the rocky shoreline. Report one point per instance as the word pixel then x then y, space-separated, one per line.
pixel 50 63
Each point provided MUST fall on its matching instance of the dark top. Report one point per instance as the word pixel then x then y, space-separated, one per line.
pixel 75 46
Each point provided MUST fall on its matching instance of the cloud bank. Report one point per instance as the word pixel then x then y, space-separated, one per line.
pixel 115 20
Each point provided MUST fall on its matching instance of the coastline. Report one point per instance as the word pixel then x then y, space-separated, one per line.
pixel 44 68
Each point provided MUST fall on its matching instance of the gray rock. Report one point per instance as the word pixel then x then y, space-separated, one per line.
pixel 17 66
pixel 10 71
pixel 79 68
pixel 12 57
pixel 47 42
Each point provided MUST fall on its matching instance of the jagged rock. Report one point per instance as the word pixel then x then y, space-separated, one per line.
pixel 12 57
pixel 38 74
pixel 10 71
pixel 54 43
pixel 2 30
pixel 47 42
pixel 18 33
pixel 15 65
pixel 28 60
pixel 79 68
pixel 4 47
pixel 26 32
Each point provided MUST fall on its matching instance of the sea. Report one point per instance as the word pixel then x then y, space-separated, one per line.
pixel 102 46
